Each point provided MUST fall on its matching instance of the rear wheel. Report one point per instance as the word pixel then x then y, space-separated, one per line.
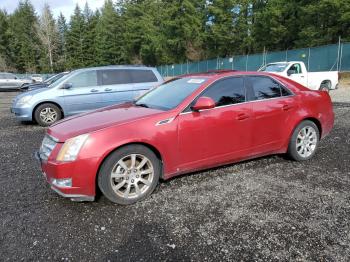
pixel 47 114
pixel 304 141
pixel 130 174
pixel 325 86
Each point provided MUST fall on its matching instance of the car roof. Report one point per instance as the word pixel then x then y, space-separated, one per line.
pixel 216 74
pixel 116 67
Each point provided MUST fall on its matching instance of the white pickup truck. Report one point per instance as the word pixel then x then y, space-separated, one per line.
pixel 296 70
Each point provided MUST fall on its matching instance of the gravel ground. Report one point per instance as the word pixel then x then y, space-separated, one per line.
pixel 342 94
pixel 266 209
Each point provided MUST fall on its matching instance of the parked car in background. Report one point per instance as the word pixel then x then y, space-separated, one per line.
pixel 10 81
pixel 84 90
pixel 44 84
pixel 37 78
pixel 188 124
pixel 296 70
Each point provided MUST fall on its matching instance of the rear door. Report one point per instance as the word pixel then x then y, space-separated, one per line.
pixel 143 79
pixel 117 86
pixel 220 134
pixel 85 93
pixel 272 105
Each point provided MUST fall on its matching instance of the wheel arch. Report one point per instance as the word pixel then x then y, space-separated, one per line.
pixel 47 102
pixel 149 146
pixel 326 81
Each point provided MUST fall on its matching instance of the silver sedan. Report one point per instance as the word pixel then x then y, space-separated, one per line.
pixel 11 81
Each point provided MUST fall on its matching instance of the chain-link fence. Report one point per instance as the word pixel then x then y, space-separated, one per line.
pixel 334 57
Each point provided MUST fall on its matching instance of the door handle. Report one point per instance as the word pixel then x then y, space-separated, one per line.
pixel 242 116
pixel 287 107
pixel 93 90
pixel 108 89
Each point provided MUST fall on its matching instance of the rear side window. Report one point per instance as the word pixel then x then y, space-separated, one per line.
pixel 266 88
pixel 115 77
pixel 227 91
pixel 143 76
pixel 84 79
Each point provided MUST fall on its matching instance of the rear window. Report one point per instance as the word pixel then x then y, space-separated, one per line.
pixel 265 88
pixel 142 76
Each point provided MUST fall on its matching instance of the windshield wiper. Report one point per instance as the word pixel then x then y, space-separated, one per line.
pixel 142 105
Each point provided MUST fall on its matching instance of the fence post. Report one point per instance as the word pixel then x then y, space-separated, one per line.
pixel 246 63
pixel 308 60
pixel 341 57
pixel 338 55
pixel 187 66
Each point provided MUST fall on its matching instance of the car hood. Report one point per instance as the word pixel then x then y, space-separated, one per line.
pixel 30 93
pixel 99 119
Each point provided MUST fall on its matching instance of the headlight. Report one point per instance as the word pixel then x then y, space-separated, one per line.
pixel 71 148
pixel 24 100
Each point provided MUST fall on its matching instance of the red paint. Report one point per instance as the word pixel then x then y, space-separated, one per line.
pixel 193 140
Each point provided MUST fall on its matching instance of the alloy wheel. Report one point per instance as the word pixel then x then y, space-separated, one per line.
pixel 132 176
pixel 48 115
pixel 306 141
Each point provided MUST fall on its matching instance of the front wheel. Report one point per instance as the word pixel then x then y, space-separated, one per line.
pixel 47 114
pixel 129 174
pixel 304 141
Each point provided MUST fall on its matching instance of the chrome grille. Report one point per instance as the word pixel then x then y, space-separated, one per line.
pixel 47 146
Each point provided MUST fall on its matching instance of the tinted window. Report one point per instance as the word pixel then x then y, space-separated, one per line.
pixel 265 88
pixel 227 91
pixel 143 76
pixel 170 94
pixel 115 76
pixel 84 79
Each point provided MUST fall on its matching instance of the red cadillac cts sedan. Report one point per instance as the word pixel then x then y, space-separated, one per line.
pixel 191 123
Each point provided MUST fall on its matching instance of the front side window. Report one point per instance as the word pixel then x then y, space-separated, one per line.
pixel 84 79
pixel 295 68
pixel 226 91
pixel 266 87
pixel 115 76
pixel 170 94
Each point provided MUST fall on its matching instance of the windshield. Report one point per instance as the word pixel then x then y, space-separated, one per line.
pixel 274 67
pixel 60 80
pixel 170 94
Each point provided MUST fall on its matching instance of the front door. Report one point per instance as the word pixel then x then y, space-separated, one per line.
pixel 217 135
pixel 298 75
pixel 84 95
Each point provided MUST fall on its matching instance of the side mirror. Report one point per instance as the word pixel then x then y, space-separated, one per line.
pixel 67 86
pixel 291 72
pixel 203 103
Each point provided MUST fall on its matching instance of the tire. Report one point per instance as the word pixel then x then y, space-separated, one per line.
pixel 119 178
pixel 304 141
pixel 325 86
pixel 47 114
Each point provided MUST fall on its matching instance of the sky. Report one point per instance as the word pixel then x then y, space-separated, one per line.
pixel 57 6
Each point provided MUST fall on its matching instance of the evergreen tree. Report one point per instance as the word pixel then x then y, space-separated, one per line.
pixel 24 46
pixel 75 40
pixel 89 45
pixel 62 42
pixel 3 41
pixel 109 38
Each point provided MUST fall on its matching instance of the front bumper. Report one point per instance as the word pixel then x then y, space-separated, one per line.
pixel 22 113
pixel 83 186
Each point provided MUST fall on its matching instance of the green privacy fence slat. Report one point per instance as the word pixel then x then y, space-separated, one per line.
pixel 323 58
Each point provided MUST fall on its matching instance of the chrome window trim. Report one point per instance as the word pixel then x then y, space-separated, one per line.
pixel 252 101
